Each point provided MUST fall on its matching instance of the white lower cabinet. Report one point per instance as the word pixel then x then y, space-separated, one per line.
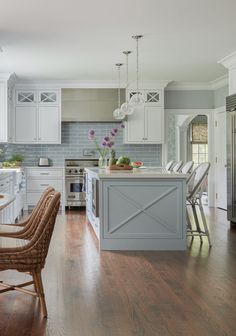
pixel 38 179
pixel 145 126
pixel 94 221
pixel 8 186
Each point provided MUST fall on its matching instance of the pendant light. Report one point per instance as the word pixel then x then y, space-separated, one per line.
pixel 118 113
pixel 137 99
pixel 127 107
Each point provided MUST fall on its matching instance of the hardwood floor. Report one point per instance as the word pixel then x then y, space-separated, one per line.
pixel 128 293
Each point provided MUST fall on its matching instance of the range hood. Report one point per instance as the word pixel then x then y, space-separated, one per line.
pixel 90 105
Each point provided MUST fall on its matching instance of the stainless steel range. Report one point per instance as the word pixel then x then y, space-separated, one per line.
pixel 75 180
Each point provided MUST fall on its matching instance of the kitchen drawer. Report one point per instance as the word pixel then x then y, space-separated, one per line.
pixel 40 185
pixel 44 173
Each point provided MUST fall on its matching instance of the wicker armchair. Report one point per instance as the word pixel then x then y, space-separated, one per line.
pixel 33 213
pixel 27 231
pixel 30 255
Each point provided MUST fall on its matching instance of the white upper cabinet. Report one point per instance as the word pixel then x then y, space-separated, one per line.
pixel 49 124
pixel 38 116
pixel 6 90
pixel 146 124
pixel 26 124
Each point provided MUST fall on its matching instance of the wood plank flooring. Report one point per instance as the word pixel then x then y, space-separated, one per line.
pixel 128 293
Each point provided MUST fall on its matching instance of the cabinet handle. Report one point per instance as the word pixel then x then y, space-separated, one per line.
pixel 44 173
pixel 44 185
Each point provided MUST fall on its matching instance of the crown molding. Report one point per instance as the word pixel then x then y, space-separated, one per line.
pixel 229 61
pixel 70 84
pixel 220 82
pixel 198 86
pixel 6 75
pixel 188 86
pixel 168 85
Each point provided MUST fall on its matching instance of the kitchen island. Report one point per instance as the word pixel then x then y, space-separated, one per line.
pixel 143 209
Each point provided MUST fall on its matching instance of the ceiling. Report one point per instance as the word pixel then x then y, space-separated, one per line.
pixel 82 40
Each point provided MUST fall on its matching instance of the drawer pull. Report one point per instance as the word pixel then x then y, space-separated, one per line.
pixel 44 185
pixel 44 173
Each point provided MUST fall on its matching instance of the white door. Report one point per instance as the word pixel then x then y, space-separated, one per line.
pixel 49 124
pixel 26 124
pixel 135 126
pixel 221 160
pixel 154 124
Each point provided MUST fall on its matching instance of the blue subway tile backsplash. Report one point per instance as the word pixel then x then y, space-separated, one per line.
pixel 75 141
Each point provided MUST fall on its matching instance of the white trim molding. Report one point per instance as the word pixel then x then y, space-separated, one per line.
pixel 198 86
pixel 210 116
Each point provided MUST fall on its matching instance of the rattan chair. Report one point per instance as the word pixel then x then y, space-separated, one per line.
pixel 29 256
pixel 25 225
pixel 195 186
pixel 27 231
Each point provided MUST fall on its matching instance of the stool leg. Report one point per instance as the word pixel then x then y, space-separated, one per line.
pixel 196 221
pixel 204 222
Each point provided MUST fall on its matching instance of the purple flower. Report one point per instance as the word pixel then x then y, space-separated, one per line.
pixel 112 143
pixel 115 130
pixel 109 145
pixel 113 134
pixel 104 144
pixel 122 125
pixel 106 138
pixel 91 134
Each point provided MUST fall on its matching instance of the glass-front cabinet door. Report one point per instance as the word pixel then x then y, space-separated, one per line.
pixel 48 97
pixel 153 97
pixel 26 97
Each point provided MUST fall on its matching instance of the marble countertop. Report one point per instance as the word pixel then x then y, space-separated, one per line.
pixel 135 173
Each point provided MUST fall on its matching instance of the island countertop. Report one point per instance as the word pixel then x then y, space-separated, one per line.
pixel 135 173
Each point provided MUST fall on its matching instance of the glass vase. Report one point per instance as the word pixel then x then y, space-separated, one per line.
pixel 102 162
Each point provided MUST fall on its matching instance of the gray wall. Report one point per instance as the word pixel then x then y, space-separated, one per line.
pixel 220 95
pixel 74 141
pixel 189 99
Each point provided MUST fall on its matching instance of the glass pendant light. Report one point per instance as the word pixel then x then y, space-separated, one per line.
pixel 137 99
pixel 118 113
pixel 127 107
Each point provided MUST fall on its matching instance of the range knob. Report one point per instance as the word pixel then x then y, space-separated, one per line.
pixel 81 171
pixel 75 171
pixel 69 171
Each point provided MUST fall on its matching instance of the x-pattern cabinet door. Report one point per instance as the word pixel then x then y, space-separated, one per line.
pixel 48 97
pixel 26 97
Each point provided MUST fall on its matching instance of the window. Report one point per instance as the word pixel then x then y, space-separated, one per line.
pixel 199 139
pixel 199 153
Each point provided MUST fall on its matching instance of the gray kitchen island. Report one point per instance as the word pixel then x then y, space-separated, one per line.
pixel 143 209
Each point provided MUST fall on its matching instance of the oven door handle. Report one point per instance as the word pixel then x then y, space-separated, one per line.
pixel 81 178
